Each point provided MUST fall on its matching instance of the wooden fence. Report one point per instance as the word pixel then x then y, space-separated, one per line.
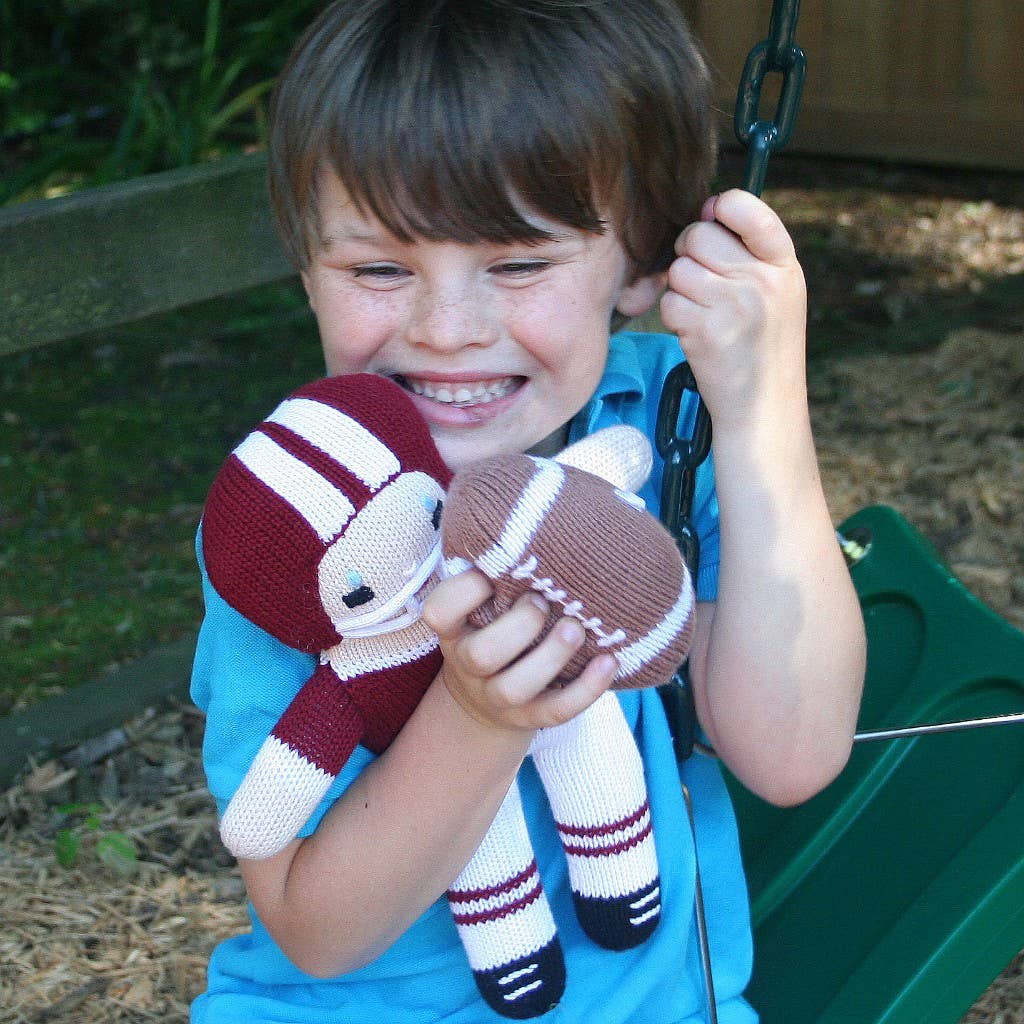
pixel 920 81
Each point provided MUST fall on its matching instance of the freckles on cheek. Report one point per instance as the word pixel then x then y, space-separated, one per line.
pixel 350 341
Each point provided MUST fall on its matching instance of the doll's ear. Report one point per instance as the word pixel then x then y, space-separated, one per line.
pixel 622 455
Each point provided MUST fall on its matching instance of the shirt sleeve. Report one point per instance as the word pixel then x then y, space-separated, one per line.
pixel 244 679
pixel 705 521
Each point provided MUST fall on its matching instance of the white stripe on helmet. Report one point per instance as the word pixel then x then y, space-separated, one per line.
pixel 318 501
pixel 344 439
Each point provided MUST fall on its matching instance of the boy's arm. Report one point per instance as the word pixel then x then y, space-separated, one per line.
pixel 403 830
pixel 778 660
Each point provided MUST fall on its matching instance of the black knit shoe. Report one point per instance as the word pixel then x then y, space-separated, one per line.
pixel 620 922
pixel 527 987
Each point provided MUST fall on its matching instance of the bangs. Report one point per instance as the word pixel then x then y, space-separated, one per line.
pixel 467 120
pixel 439 145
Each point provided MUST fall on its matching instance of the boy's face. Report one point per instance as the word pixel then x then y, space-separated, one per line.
pixel 499 344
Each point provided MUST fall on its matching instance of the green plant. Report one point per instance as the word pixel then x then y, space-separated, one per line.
pixel 93 91
pixel 88 834
pixel 177 114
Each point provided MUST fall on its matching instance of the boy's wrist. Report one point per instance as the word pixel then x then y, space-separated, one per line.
pixel 468 721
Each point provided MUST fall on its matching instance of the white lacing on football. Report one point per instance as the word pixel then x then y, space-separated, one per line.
pixel 544 585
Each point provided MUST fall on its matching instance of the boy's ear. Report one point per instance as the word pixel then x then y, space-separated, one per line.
pixel 640 295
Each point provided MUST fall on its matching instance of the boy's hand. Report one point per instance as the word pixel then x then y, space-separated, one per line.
pixel 736 298
pixel 486 670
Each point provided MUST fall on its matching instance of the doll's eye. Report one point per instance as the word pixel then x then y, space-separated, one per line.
pixel 434 506
pixel 360 593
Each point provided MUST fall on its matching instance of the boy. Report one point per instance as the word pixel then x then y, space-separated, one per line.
pixel 474 191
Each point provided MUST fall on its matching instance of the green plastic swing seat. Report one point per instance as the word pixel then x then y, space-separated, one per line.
pixel 897 894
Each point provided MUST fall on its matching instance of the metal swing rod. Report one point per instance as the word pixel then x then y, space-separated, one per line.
pixel 908 731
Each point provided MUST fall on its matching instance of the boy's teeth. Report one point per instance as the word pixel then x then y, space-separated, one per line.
pixel 475 392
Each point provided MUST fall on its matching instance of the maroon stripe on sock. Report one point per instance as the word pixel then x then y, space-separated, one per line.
pixel 463 895
pixel 612 848
pixel 602 830
pixel 497 913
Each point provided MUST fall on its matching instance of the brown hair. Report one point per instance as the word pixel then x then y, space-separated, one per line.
pixel 441 117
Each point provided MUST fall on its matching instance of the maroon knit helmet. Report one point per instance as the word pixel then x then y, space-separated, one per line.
pixel 289 490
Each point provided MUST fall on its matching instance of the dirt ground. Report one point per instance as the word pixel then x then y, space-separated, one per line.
pixel 918 402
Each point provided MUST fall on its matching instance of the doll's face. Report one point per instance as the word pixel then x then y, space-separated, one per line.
pixel 381 549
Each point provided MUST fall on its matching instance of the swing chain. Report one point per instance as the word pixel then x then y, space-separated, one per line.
pixel 778 54
pixel 683 455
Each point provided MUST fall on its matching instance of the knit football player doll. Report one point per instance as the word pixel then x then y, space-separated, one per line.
pixel 322 527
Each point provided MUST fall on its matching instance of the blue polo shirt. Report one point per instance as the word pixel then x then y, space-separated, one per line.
pixel 244 679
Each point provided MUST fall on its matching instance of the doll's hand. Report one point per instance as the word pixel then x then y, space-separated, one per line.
pixel 486 670
pixel 737 299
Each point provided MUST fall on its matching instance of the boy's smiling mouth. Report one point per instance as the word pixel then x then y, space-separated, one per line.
pixel 461 393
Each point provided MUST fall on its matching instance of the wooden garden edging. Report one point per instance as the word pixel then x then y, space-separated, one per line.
pixel 114 254
pixel 107 256
pixel 61 722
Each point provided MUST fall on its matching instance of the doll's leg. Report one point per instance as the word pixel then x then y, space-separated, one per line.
pixel 594 778
pixel 504 920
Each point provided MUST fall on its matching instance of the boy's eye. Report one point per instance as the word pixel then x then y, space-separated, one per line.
pixel 379 271
pixel 361 595
pixel 519 268
pixel 436 516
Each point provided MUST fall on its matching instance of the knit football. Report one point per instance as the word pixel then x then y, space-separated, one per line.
pixel 589 548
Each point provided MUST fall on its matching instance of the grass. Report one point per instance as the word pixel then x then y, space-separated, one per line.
pixel 109 445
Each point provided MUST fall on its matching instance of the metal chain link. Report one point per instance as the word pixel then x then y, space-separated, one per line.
pixel 777 54
pixel 683 455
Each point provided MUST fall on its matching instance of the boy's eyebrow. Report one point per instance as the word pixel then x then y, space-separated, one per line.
pixel 338 232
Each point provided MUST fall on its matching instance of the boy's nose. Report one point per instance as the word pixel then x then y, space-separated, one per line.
pixel 451 321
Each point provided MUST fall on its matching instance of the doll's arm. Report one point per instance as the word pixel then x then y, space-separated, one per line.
pixel 621 455
pixel 293 769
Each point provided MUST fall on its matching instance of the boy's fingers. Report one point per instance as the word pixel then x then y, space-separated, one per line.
pixel 694 281
pixel 451 601
pixel 531 674
pixel 555 706
pixel 755 223
pixel 489 649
